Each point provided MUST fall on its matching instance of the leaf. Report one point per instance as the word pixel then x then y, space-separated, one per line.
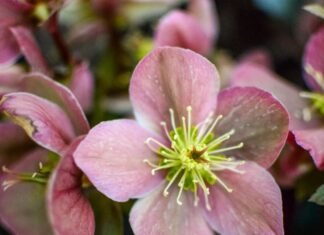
pixel 318 196
pixel 108 214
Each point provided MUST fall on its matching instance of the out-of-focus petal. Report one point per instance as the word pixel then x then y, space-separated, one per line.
pixel 82 85
pixel 28 46
pixel 65 198
pixel 43 86
pixel 249 74
pixel 11 12
pixel 292 163
pixel 13 143
pixel 8 47
pixel 10 79
pixel 253 207
pixel 42 120
pixel 157 214
pixel 173 78
pixel 11 135
pixel 259 121
pixel 22 206
pixel 205 12
pixel 180 29
pixel 112 156
pixel 14 7
pixel 314 61
pixel 312 140
pixel 259 57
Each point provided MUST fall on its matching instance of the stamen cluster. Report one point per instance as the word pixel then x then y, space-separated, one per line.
pixel 194 156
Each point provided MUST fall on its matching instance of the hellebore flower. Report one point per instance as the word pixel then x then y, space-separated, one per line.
pixel 195 154
pixel 17 16
pixel 51 115
pixel 306 121
pixel 195 29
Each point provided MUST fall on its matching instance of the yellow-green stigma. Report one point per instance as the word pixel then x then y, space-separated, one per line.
pixel 194 156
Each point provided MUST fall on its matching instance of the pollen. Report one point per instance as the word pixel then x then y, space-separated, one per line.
pixel 194 156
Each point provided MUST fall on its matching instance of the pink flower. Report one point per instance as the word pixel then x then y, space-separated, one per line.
pixel 306 118
pixel 195 29
pixel 17 19
pixel 196 156
pixel 51 115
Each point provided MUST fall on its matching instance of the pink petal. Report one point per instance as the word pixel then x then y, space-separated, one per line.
pixel 312 140
pixel 259 57
pixel 11 13
pixel 314 57
pixel 65 199
pixel 112 156
pixel 8 47
pixel 11 135
pixel 173 78
pixel 292 163
pixel 42 120
pixel 180 29
pixel 14 7
pixel 28 46
pixel 205 12
pixel 248 74
pixel 82 85
pixel 259 121
pixel 45 87
pixel 254 206
pixel 10 79
pixel 161 215
pixel 22 207
pixel 13 143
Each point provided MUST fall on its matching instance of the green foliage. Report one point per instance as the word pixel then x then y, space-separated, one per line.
pixel 108 214
pixel 318 196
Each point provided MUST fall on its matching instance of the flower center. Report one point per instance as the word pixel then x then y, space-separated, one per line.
pixel 194 156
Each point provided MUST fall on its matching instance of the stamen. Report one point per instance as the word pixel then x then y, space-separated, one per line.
pixel 189 109
pixel 9 183
pixel 202 127
pixel 307 114
pixel 202 184
pixel 220 139
pixel 150 163
pixel 212 127
pixel 317 75
pixel 181 185
pixel 223 184
pixel 222 150
pixel 164 125
pixel 166 166
pixel 174 126
pixel 185 131
pixel 148 140
pixel 165 192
